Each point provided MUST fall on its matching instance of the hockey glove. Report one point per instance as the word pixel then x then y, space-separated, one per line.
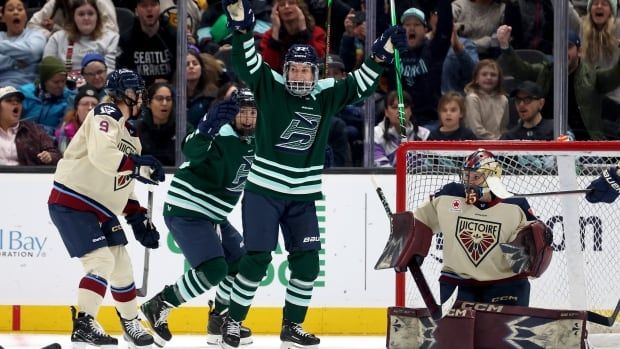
pixel 219 115
pixel 143 230
pixel 530 252
pixel 605 188
pixel 147 169
pixel 239 13
pixel 383 47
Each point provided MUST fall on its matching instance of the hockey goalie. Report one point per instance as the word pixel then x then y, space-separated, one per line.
pixel 492 246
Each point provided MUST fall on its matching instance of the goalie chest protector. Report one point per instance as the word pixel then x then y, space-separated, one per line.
pixel 480 325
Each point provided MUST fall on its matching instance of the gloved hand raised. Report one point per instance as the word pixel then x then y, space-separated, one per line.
pixel 239 13
pixel 147 169
pixel 220 114
pixel 143 230
pixel 605 188
pixel 383 46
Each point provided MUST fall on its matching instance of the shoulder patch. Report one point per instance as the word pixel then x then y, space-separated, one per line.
pixel 108 109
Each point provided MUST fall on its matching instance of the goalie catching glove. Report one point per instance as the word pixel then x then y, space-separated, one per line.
pixel 383 46
pixel 605 188
pixel 143 230
pixel 240 15
pixel 530 252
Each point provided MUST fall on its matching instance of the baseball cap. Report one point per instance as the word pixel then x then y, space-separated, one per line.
pixel 92 57
pixel 574 39
pixel 530 88
pixel 413 12
pixel 334 61
pixel 6 92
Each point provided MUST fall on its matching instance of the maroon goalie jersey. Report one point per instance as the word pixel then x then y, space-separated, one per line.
pixel 472 233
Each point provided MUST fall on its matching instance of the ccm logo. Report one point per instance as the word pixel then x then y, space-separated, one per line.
pixel 312 239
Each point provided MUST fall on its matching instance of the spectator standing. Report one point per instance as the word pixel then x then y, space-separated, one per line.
pixel 149 48
pixel 22 142
pixel 485 103
pixel 47 98
pixel 352 41
pixel 85 100
pixel 422 62
pixel 20 47
pixel 529 101
pixel 198 101
pixel 291 23
pixel 53 16
pixel 388 132
pixel 157 126
pixel 478 21
pixel 451 109
pixel 84 33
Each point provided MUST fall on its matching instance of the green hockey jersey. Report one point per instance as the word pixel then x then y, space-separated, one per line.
pixel 211 181
pixel 292 131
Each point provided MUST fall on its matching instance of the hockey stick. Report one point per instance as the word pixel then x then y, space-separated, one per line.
pixel 436 311
pixel 561 192
pixel 603 320
pixel 328 29
pixel 399 85
pixel 141 292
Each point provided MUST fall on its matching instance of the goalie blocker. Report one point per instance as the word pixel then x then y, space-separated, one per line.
pixel 481 325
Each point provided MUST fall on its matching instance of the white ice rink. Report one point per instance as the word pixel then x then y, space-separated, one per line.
pixel 32 341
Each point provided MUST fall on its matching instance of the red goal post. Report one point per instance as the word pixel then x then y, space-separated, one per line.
pixel 584 270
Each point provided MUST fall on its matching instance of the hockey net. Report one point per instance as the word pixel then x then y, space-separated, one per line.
pixel 584 272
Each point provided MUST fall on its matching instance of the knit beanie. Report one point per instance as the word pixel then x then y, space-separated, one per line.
pixel 49 67
pixel 612 3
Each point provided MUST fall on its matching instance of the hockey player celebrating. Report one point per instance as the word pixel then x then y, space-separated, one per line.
pixel 285 178
pixel 605 188
pixel 202 193
pixel 490 245
pixel 93 184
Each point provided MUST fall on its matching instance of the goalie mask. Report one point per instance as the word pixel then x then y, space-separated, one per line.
pixel 300 69
pixel 482 174
pixel 125 85
pixel 245 122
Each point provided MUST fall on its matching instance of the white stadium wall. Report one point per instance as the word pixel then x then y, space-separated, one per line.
pixel 38 275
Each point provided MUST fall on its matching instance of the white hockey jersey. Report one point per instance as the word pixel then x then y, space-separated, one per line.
pixel 94 172
pixel 472 233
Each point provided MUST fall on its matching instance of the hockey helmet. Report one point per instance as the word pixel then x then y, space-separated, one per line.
pixel 125 84
pixel 482 173
pixel 300 54
pixel 245 122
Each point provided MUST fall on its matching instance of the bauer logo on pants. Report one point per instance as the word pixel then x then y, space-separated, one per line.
pixel 477 237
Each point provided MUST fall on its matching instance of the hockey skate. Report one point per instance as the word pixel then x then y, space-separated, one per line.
pixel 156 311
pixel 214 328
pixel 134 334
pixel 87 331
pixel 231 332
pixel 293 336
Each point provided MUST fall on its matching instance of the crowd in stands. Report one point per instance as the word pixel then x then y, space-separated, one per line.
pixel 474 69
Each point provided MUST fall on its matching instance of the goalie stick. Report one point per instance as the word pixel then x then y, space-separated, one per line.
pixel 604 320
pixel 141 292
pixel 437 311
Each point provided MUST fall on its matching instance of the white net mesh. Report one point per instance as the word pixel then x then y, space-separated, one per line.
pixel 584 271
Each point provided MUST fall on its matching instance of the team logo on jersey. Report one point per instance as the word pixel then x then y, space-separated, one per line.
pixel 126 147
pixel 242 174
pixel 477 237
pixel 456 205
pixel 300 133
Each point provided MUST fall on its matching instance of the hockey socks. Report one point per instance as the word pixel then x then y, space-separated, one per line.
pixel 224 288
pixel 252 269
pixel 304 266
pixel 196 281
pixel 90 293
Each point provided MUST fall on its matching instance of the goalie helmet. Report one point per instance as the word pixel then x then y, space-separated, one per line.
pixel 126 85
pixel 300 54
pixel 245 122
pixel 481 174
